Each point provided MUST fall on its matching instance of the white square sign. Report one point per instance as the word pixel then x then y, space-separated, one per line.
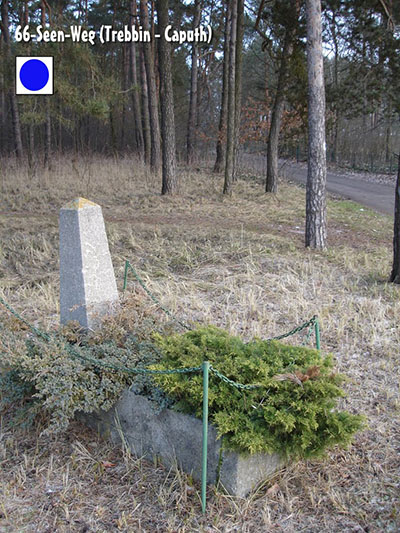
pixel 34 75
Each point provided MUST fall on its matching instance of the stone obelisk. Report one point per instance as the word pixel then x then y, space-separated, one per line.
pixel 88 289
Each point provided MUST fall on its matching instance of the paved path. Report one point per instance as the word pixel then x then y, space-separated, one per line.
pixel 377 196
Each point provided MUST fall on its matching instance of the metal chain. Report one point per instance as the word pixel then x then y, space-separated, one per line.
pixel 155 299
pixel 97 362
pixel 293 331
pixel 35 330
pixel 309 333
pixel 232 383
pixel 129 370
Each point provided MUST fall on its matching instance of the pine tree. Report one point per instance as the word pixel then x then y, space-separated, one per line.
pixel 169 175
pixel 191 127
pixel 395 275
pixel 155 157
pixel 315 235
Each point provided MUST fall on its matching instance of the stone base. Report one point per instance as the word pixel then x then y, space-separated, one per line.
pixel 176 438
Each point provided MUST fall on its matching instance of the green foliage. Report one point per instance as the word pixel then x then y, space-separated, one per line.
pixel 63 384
pixel 292 412
pixel 53 378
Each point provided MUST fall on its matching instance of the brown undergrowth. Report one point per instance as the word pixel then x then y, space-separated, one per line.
pixel 238 263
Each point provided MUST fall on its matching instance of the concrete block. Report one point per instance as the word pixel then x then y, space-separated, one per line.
pixel 176 438
pixel 88 289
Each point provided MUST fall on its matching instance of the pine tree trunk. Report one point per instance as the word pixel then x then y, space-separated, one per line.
pixel 169 175
pixel 11 95
pixel 31 145
pixel 136 102
pixel 315 235
pixel 388 134
pixel 334 155
pixel 137 117
pixel 230 134
pixel 145 108
pixel 191 129
pixel 199 96
pixel 221 141
pixel 3 110
pixel 395 275
pixel 276 116
pixel 47 135
pixel 238 83
pixel 125 85
pixel 155 156
pixel 60 133
pixel 113 134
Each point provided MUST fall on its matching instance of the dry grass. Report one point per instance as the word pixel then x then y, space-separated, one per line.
pixel 238 263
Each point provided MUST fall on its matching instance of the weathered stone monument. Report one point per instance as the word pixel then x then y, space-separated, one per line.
pixel 88 289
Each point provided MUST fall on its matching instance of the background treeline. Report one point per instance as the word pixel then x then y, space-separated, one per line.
pixel 107 96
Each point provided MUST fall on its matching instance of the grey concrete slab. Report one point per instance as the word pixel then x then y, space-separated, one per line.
pixel 88 289
pixel 176 438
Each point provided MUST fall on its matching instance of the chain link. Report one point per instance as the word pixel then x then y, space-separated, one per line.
pixel 35 330
pixel 232 383
pixel 129 370
pixel 293 331
pixel 309 333
pixel 310 323
pixel 98 362
pixel 119 368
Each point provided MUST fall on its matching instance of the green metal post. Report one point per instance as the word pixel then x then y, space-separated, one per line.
pixel 317 334
pixel 126 275
pixel 206 368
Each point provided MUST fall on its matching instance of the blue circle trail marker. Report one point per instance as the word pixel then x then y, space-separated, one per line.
pixel 34 75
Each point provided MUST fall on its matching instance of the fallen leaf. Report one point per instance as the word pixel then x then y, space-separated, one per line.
pixel 288 376
pixel 107 464
pixel 273 490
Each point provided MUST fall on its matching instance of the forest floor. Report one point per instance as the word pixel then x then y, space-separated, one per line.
pixel 239 263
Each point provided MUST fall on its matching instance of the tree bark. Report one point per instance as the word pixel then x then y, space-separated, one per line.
pixel 145 109
pixel 223 116
pixel 60 132
pixel 315 234
pixel 395 275
pixel 47 136
pixel 125 85
pixel 155 155
pixel 191 129
pixel 5 25
pixel 230 134
pixel 113 133
pixel 271 184
pixel 388 133
pixel 276 116
pixel 135 93
pixel 169 175
pixel 334 155
pixel 238 82
pixel 31 145
pixel 3 109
